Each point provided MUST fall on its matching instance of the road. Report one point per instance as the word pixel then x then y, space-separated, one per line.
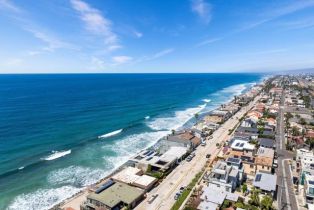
pixel 186 171
pixel 285 195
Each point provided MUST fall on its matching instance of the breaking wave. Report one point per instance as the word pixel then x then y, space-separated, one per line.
pixel 123 149
pixel 176 121
pixel 42 199
pixel 76 176
pixel 56 155
pixel 113 133
pixel 206 100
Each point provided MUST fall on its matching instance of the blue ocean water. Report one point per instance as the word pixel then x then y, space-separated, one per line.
pixel 50 125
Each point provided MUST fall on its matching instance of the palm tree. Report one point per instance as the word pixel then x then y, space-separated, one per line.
pixel 254 197
pixel 173 132
pixel 267 203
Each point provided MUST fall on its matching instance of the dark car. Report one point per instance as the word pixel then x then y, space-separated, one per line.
pixel 208 155
pixel 177 195
pixel 182 189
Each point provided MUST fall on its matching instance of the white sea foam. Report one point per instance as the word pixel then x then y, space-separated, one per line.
pixel 202 106
pixel 75 175
pixel 147 117
pixel 42 199
pixel 113 133
pixel 56 155
pixel 206 100
pixel 21 168
pixel 234 89
pixel 176 121
pixel 126 147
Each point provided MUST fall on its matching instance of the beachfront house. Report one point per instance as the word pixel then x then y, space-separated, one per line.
pixel 113 196
pixel 135 177
pixel 230 107
pixel 154 161
pixel 186 138
pixel 225 115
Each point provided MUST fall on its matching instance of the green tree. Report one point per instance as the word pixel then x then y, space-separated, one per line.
pixel 254 197
pixel 267 203
pixel 239 205
pixel 310 142
pixel 302 121
pixel 289 115
pixel 295 131
pixel 226 204
pixel 244 188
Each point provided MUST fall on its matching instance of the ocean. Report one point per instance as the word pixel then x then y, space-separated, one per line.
pixel 62 132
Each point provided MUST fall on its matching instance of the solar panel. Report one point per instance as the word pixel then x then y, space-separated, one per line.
pixel 311 182
pixel 258 177
pixel 237 144
pixel 242 144
pixel 233 160
pixel 104 186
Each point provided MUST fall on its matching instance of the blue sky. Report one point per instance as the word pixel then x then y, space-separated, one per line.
pixel 155 36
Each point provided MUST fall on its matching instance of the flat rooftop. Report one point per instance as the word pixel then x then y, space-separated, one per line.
pixel 265 152
pixel 265 181
pixel 242 145
pixel 118 192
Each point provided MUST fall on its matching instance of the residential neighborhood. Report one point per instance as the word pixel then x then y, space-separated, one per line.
pixel 254 152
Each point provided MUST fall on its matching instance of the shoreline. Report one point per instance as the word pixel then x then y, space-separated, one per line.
pixel 125 164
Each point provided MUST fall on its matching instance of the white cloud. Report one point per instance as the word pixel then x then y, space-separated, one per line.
pixel 97 64
pixel 95 22
pixel 203 9
pixel 14 62
pixel 162 53
pixel 114 47
pixel 7 4
pixel 208 41
pixel 154 56
pixel 138 34
pixel 307 22
pixel 52 42
pixel 121 59
pixel 278 12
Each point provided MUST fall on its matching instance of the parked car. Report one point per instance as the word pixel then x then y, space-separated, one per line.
pixel 182 189
pixel 176 196
pixel 208 155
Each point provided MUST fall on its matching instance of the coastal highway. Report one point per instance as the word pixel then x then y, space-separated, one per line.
pixel 285 195
pixel 186 171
